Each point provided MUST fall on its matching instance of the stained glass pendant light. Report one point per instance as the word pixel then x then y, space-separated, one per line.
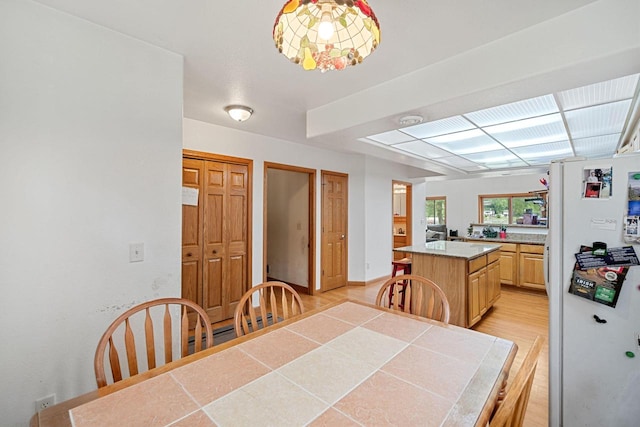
pixel 326 34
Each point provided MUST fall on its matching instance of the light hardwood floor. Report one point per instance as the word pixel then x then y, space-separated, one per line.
pixel 518 316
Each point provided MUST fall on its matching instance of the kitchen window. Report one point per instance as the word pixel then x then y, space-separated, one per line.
pixel 520 208
pixel 435 210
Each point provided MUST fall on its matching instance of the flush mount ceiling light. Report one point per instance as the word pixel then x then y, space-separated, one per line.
pixel 410 120
pixel 326 34
pixel 239 113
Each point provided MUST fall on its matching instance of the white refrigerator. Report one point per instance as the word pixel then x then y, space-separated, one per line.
pixel 594 349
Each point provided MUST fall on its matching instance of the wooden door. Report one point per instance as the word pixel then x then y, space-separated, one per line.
pixel 216 271
pixel 192 228
pixel 334 230
pixel 237 219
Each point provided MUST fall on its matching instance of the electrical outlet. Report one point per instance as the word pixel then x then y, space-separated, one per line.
pixel 45 402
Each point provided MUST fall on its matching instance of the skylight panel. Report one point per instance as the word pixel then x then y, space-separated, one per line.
pixel 496 159
pixel 422 149
pixel 599 93
pixel 471 141
pixel 599 120
pixel 537 130
pixel 461 163
pixel 544 153
pixel 438 127
pixel 598 146
pixel 533 107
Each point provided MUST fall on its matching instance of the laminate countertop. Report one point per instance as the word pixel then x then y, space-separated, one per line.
pixel 455 249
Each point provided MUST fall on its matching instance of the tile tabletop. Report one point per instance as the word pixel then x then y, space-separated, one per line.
pixel 350 364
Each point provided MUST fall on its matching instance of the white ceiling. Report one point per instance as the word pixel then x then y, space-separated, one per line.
pixel 438 59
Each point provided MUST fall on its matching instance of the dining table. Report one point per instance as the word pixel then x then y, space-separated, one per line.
pixel 348 363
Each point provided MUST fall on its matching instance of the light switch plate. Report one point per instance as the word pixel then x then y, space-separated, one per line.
pixel 136 252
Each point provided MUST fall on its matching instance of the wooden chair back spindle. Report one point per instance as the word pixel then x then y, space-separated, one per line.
pixel 107 344
pixel 275 299
pixel 416 295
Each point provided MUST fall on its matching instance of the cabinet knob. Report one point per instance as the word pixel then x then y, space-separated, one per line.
pixel 214 252
pixel 189 254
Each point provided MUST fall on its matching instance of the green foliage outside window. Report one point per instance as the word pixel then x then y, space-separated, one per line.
pixel 435 210
pixel 511 209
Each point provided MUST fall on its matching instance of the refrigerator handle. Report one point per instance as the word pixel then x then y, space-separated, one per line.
pixel 545 263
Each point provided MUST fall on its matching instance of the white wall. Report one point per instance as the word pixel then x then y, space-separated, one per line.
pixel 370 192
pixel 90 155
pixel 378 221
pixel 462 195
pixel 210 138
pixel 288 226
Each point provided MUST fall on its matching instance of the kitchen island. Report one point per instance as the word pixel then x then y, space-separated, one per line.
pixel 468 273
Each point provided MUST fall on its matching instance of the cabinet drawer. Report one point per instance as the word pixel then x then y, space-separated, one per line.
pixel 532 249
pixel 508 247
pixel 477 263
pixel 493 256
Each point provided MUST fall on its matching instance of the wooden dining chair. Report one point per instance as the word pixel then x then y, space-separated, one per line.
pixel 120 335
pixel 277 301
pixel 510 411
pixel 416 295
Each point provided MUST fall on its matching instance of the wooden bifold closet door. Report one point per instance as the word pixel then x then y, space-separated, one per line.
pixel 215 238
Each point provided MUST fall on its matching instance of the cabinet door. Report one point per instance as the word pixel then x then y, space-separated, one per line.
pixel 477 295
pixel 508 268
pixel 493 282
pixel 531 271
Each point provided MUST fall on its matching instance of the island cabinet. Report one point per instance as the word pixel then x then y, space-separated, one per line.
pixel 483 285
pixel 468 273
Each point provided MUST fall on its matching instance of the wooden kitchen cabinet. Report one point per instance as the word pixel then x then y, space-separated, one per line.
pixel 494 270
pixel 531 266
pixel 477 295
pixel 399 241
pixel 483 286
pixel 522 265
pixel 509 264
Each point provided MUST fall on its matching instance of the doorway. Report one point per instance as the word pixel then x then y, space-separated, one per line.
pixel 289 226
pixel 401 217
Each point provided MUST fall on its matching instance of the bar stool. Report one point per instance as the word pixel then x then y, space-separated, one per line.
pixel 401 266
